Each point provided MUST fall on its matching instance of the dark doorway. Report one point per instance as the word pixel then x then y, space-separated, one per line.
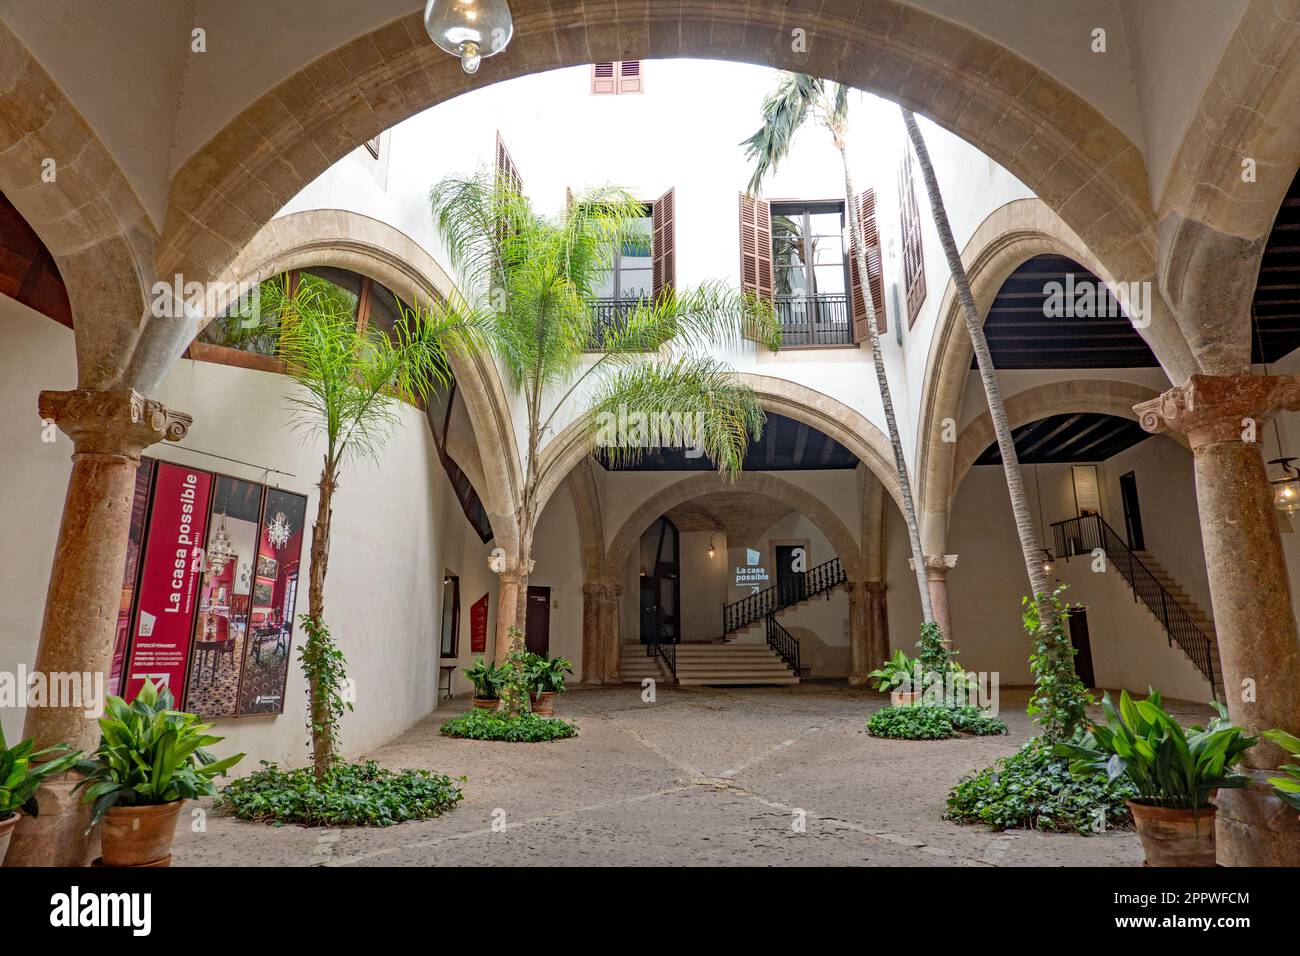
pixel 450 616
pixel 791 562
pixel 1128 492
pixel 1083 647
pixel 537 623
pixel 660 584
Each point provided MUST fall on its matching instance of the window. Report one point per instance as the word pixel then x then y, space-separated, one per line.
pixel 913 257
pixel 632 273
pixel 644 266
pixel 616 76
pixel 450 615
pixel 808 249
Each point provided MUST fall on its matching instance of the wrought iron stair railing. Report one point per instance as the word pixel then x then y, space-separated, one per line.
pixel 1084 535
pixel 665 651
pixel 785 644
pixel 785 593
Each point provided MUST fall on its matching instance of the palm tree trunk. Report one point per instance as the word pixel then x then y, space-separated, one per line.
pixel 322 736
pixel 886 400
pixel 1030 545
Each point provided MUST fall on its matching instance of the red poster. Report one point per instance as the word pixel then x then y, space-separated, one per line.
pixel 478 625
pixel 169 587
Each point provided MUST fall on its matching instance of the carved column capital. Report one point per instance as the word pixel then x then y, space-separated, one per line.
pixel 936 565
pixel 117 421
pixel 1209 409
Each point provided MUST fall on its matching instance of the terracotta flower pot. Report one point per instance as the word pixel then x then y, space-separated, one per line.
pixel 486 703
pixel 544 703
pixel 905 698
pixel 6 830
pixel 139 836
pixel 1174 837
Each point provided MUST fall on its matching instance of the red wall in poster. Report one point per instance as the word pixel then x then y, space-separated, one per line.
pixel 478 625
pixel 169 587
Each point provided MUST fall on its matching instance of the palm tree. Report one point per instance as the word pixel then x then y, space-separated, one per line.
pixel 530 283
pixel 1049 607
pixel 797 98
pixel 350 383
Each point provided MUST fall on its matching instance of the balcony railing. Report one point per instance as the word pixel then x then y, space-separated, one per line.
pixel 821 319
pixel 608 314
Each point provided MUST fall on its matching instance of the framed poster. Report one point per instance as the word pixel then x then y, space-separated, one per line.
pixel 267 567
pixel 131 572
pixel 478 621
pixel 169 582
pixel 1087 490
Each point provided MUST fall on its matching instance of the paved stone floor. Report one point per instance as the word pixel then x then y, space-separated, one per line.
pixel 701 777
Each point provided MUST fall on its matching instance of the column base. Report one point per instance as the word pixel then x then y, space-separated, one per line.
pixel 58 836
pixel 1254 828
pixel 859 680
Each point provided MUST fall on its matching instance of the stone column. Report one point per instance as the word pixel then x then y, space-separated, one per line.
pixel 1223 418
pixel 109 429
pixel 937 567
pixel 860 661
pixel 593 650
pixel 611 632
pixel 877 622
pixel 512 602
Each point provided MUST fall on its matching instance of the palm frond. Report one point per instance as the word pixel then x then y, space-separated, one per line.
pixel 784 111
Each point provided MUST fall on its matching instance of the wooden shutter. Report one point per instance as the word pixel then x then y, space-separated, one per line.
pixel 507 172
pixel 603 78
pixel 664 244
pixel 913 255
pixel 755 246
pixel 865 209
pixel 629 76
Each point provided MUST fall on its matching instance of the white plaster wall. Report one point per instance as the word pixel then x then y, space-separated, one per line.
pixel 397 526
pixel 558 553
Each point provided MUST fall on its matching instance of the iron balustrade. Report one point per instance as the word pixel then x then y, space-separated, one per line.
pixel 821 319
pixel 665 651
pixel 1084 535
pixel 609 314
pixel 785 644
pixel 785 593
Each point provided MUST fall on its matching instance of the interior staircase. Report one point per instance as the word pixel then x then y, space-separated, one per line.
pixel 1182 619
pixel 728 662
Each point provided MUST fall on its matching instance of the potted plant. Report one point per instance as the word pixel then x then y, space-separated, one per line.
pixel 150 760
pixel 1176 773
pixel 545 680
pixel 22 772
pixel 487 680
pixel 1288 786
pixel 897 676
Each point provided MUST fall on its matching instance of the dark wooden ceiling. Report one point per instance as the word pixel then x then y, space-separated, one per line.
pixel 786 445
pixel 27 270
pixel 1276 331
pixel 1070 437
pixel 1021 334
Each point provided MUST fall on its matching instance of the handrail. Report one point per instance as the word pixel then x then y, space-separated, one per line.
pixel 1088 533
pixel 819 319
pixel 665 651
pixel 785 644
pixel 741 614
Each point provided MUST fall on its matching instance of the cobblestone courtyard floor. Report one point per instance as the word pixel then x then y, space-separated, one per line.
pixel 701 777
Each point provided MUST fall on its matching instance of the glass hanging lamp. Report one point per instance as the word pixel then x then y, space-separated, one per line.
pixel 220 551
pixel 469 29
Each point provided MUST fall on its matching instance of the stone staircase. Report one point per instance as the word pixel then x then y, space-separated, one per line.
pixel 713 665
pixel 1193 610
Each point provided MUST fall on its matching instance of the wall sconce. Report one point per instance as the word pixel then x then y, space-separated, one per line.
pixel 1047 560
pixel 1286 490
pixel 711 548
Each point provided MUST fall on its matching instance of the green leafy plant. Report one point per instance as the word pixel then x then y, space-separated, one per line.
pixel 934 655
pixel 23 770
pixel 323 664
pixel 360 794
pixel 1060 701
pixel 514 684
pixel 1168 766
pixel 898 672
pixel 1034 788
pixel 149 754
pixel 521 728
pixel 1288 786
pixel 486 678
pixel 546 675
pixel 971 720
pixel 530 286
pixel 912 723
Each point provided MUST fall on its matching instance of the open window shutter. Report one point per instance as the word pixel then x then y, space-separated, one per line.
pixel 913 255
pixel 603 78
pixel 755 246
pixel 664 247
pixel 629 76
pixel 865 209
pixel 507 172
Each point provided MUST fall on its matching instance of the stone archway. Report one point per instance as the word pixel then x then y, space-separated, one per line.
pixel 1107 396
pixel 1008 237
pixel 349 240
